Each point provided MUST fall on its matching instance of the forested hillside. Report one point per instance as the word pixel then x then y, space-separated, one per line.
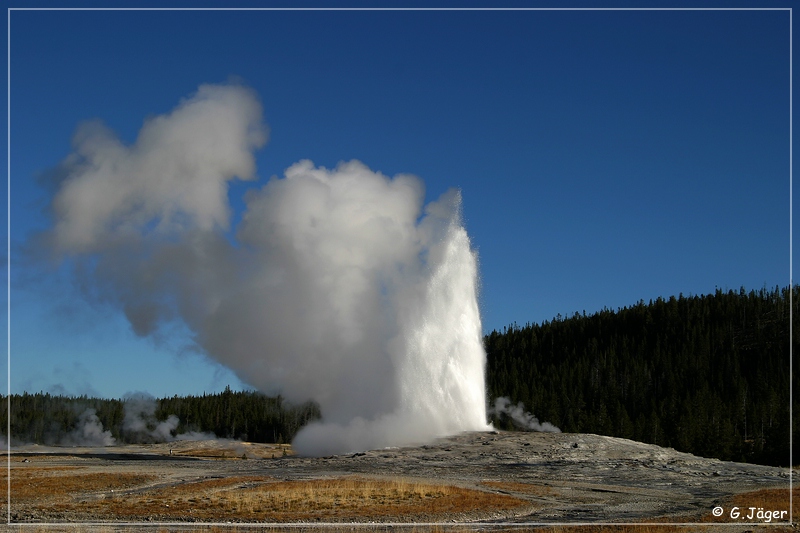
pixel 46 419
pixel 703 374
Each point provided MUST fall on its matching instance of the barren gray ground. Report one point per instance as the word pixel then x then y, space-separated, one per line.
pixel 579 477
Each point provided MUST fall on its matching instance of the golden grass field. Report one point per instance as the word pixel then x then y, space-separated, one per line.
pixel 140 497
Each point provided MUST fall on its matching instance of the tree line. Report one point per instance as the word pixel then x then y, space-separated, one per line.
pixel 43 418
pixel 706 374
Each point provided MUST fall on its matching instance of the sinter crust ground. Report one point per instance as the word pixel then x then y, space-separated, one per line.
pixel 578 477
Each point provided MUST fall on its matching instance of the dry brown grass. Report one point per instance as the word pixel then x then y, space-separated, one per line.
pixel 620 529
pixel 355 497
pixel 48 484
pixel 259 498
pixel 265 451
pixel 768 499
pixel 645 528
pixel 206 454
pixel 266 528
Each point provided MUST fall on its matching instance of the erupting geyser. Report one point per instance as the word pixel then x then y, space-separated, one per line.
pixel 337 286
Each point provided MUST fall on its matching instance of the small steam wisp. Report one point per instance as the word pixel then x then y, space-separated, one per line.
pixel 140 424
pixel 520 417
pixel 338 285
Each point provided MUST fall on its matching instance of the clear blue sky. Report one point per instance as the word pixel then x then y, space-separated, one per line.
pixel 603 156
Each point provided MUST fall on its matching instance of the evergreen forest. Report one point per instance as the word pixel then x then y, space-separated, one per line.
pixel 250 416
pixel 706 374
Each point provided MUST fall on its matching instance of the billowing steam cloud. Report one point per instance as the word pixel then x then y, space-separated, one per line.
pixel 520 417
pixel 140 423
pixel 338 285
pixel 89 432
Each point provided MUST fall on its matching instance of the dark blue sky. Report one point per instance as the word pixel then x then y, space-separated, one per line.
pixel 604 156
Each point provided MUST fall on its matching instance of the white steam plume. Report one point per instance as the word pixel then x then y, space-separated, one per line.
pixel 139 422
pixel 89 432
pixel 520 417
pixel 340 287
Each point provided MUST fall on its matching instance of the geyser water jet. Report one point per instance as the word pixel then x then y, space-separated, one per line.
pixel 436 352
pixel 339 286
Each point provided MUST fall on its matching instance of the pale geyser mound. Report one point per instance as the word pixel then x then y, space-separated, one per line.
pixel 338 285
